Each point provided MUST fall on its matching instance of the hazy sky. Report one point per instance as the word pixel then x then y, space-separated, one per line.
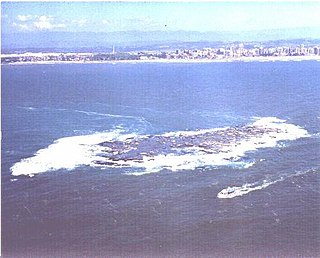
pixel 115 16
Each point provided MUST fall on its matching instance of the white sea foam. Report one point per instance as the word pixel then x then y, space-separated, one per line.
pixel 98 114
pixel 65 153
pixel 228 154
pixel 71 152
pixel 190 161
pixel 90 113
pixel 28 108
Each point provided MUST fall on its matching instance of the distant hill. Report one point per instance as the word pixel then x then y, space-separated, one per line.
pixel 136 39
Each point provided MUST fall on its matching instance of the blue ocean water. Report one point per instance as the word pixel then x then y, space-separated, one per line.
pixel 80 209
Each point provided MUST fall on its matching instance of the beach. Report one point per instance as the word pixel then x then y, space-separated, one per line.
pixel 218 60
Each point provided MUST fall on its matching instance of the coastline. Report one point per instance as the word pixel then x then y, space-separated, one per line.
pixel 222 60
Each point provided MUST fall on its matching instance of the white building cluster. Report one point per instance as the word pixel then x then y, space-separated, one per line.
pixel 240 51
pixel 220 53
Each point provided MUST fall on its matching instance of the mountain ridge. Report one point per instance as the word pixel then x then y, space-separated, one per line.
pixel 63 39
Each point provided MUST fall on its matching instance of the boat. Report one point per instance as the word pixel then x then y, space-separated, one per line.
pixel 233 191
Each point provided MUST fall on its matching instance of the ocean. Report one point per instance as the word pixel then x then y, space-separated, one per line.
pixel 134 160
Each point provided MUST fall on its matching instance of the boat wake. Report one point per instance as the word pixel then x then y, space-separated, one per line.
pixel 174 151
pixel 237 191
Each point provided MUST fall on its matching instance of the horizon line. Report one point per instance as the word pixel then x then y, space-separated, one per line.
pixel 181 30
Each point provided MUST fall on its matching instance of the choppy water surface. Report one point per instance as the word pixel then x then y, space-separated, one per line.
pixel 161 159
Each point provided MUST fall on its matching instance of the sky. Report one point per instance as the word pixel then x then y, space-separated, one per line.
pixel 150 16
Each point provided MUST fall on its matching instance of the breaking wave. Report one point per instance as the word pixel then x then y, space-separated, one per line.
pixel 175 151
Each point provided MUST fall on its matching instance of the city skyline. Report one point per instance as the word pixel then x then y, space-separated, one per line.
pixel 233 52
pixel 30 17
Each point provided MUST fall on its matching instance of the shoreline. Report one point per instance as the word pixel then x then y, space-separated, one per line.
pixel 222 60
